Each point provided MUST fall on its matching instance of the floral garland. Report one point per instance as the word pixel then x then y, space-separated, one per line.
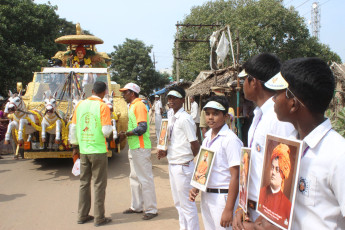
pixel 115 116
pixel 76 62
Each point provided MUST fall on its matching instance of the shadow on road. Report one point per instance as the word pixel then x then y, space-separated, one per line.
pixel 4 197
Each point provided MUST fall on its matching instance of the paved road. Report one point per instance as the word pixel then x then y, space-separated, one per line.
pixel 43 194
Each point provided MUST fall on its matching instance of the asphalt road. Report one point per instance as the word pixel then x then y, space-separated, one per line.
pixel 43 194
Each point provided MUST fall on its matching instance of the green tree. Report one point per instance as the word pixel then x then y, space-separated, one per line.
pixel 131 62
pixel 27 34
pixel 264 26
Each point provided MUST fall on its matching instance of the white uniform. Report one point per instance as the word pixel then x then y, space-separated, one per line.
pixel 158 117
pixel 228 148
pixel 265 122
pixel 320 195
pixel 195 112
pixel 181 166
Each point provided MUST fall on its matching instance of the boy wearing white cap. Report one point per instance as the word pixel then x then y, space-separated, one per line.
pixel 139 154
pixel 183 146
pixel 257 70
pixel 304 89
pixel 218 202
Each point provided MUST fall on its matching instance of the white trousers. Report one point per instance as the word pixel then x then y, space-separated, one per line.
pixel 212 206
pixel 141 181
pixel 180 177
pixel 158 121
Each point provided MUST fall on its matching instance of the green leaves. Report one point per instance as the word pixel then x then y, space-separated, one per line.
pixel 131 62
pixel 264 26
pixel 337 120
pixel 27 34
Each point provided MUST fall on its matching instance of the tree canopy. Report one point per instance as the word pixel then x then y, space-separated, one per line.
pixel 264 26
pixel 131 62
pixel 27 34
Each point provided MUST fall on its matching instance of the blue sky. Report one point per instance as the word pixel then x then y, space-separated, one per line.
pixel 153 21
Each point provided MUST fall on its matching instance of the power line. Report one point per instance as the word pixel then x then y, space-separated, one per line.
pixel 302 4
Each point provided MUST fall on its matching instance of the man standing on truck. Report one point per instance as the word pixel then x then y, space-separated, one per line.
pixel 91 124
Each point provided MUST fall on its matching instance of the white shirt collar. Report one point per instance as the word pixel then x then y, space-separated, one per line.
pixel 267 105
pixel 274 191
pixel 96 96
pixel 222 131
pixel 315 136
pixel 177 115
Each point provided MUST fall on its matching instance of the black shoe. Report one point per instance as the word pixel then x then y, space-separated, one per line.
pixel 149 216
pixel 87 219
pixel 105 221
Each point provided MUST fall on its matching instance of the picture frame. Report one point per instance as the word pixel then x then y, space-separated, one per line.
pixel 203 168
pixel 245 165
pixel 162 142
pixel 279 180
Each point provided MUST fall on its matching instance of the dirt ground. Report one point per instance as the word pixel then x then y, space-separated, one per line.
pixel 43 194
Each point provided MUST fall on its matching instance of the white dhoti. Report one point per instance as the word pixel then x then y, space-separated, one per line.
pixel 180 177
pixel 158 121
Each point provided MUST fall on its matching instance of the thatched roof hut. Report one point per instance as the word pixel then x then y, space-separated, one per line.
pixel 207 79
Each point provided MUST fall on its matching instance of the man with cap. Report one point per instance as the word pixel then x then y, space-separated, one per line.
pixel 158 108
pixel 272 199
pixel 183 146
pixel 139 154
pixel 91 125
pixel 256 71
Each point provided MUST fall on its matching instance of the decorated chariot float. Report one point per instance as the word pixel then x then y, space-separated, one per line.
pixel 41 118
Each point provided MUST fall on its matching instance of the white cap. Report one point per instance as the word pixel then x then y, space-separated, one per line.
pixel 243 73
pixel 277 82
pixel 214 105
pixel 175 94
pixel 156 95
pixel 132 86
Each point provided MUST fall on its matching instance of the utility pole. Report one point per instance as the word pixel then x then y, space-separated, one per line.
pixel 315 20
pixel 178 40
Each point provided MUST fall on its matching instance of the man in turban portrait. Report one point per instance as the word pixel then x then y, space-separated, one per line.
pixel 244 167
pixel 272 200
pixel 200 174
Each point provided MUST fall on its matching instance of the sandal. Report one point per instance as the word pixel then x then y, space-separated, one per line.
pixel 149 216
pixel 105 221
pixel 87 219
pixel 131 211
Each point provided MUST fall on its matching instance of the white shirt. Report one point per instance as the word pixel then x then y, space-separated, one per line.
pixel 228 148
pixel 321 203
pixel 194 111
pixel 183 132
pixel 265 122
pixel 158 106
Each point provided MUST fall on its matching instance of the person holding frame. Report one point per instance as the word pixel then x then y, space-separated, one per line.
pixel 304 89
pixel 256 71
pixel 182 148
pixel 218 202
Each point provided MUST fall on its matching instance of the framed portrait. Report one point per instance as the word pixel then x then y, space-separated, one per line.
pixel 203 167
pixel 279 180
pixel 244 178
pixel 163 135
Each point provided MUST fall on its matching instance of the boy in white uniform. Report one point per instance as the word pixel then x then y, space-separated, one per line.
pixel 305 88
pixel 257 70
pixel 218 202
pixel 183 146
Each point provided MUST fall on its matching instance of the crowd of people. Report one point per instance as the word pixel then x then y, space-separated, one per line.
pixel 290 98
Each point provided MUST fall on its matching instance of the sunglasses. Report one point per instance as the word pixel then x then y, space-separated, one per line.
pixel 293 96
